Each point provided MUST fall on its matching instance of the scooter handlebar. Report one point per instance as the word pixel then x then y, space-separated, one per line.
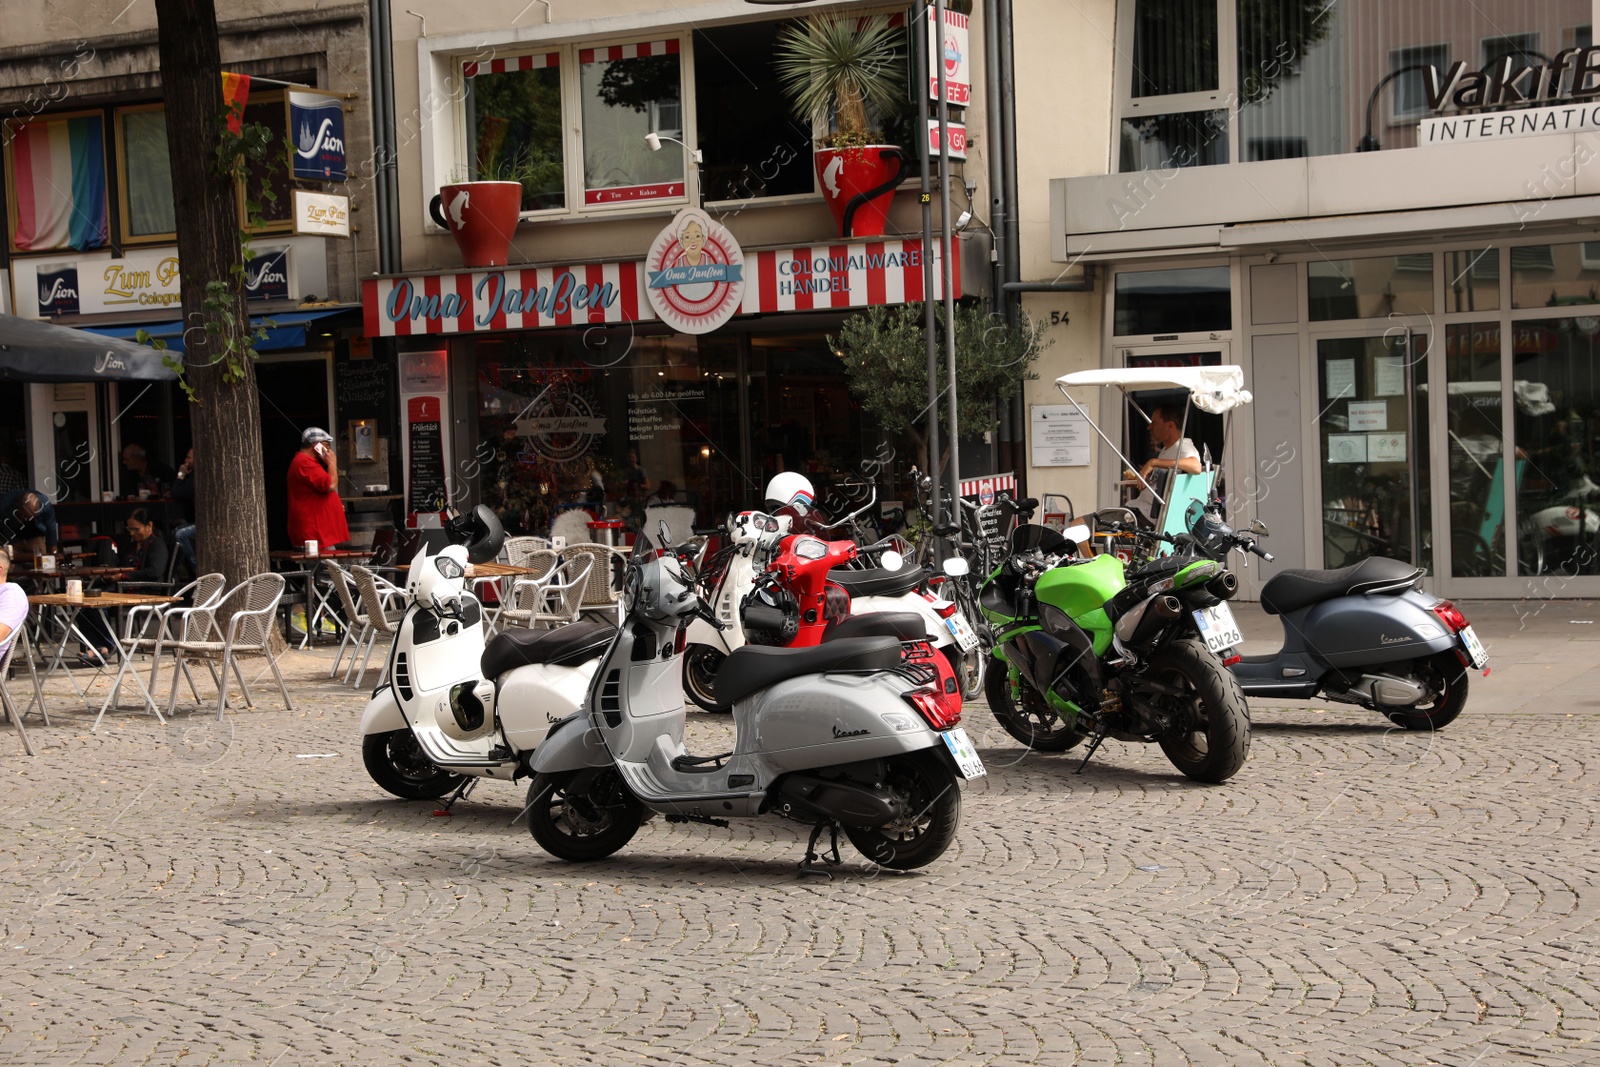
pixel 1258 550
pixel 705 613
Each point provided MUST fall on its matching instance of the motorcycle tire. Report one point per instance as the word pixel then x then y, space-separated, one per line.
pixel 395 761
pixel 700 666
pixel 1446 675
pixel 1213 741
pixel 580 816
pixel 931 794
pixel 1034 724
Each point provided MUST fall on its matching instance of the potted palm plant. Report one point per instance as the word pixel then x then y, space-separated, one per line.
pixel 832 69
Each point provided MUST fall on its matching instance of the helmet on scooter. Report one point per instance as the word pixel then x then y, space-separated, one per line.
pixel 468 715
pixel 791 489
pixel 480 530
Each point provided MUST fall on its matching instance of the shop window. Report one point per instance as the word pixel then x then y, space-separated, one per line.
pixel 1554 275
pixel 514 126
pixel 625 93
pixel 1477 477
pixel 1472 279
pixel 1162 142
pixel 1370 288
pixel 144 167
pixel 1175 47
pixel 753 144
pixel 56 182
pixel 1190 300
pixel 1555 419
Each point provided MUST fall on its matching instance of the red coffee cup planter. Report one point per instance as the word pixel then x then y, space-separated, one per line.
pixel 859 184
pixel 483 218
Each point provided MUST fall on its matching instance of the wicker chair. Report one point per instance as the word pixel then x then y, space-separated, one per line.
pixel 600 595
pixel 552 599
pixel 13 713
pixel 250 609
pixel 379 614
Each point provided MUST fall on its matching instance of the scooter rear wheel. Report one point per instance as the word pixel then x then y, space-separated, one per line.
pixel 584 815
pixel 700 666
pixel 1445 674
pixel 932 799
pixel 395 761
pixel 1030 720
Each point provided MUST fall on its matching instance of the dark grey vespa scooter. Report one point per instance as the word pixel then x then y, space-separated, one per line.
pixel 1362 634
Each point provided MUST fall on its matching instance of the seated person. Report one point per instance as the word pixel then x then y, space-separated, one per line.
pixel 664 497
pixel 1175 453
pixel 28 521
pixel 139 471
pixel 144 554
pixel 13 605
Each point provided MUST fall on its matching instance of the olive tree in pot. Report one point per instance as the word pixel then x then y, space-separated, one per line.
pixel 832 69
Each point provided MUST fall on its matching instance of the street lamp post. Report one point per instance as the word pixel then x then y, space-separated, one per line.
pixel 946 251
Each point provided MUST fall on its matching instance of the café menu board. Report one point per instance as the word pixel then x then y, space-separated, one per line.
pixel 425 455
pixel 363 388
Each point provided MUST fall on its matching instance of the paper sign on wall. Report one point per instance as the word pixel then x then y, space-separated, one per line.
pixel 1386 448
pixel 1341 378
pixel 1391 376
pixel 1347 448
pixel 1369 415
pixel 1059 437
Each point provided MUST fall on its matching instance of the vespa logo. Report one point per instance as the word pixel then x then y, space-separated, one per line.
pixel 838 733
pixel 108 361
pixel 311 144
pixel 1387 640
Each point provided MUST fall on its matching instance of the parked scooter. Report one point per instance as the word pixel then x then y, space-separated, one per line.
pixel 730 576
pixel 1362 634
pixel 456 708
pixel 841 736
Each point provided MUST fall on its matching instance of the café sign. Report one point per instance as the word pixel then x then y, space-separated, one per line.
pixel 321 214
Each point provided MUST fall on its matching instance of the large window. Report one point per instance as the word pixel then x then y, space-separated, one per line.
pixel 1218 81
pixel 514 126
pixel 146 170
pixel 627 92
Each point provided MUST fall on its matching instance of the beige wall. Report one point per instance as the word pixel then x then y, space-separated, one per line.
pixel 1063 56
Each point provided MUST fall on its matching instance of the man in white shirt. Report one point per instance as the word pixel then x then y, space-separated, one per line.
pixel 1176 452
pixel 13 605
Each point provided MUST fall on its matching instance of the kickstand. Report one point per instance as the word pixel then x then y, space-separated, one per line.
pixel 461 791
pixel 830 857
pixel 1093 746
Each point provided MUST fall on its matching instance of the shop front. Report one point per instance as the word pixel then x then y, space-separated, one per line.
pixel 618 385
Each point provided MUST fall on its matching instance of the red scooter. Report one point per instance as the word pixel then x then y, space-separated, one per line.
pixel 796 604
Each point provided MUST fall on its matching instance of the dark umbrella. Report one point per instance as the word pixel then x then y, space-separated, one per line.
pixel 40 352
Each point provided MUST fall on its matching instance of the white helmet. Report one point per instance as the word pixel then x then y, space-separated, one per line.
pixel 791 489
pixel 466 712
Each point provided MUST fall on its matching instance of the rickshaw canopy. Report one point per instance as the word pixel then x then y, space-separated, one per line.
pixel 1211 389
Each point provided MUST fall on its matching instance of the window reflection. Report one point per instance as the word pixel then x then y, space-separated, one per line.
pixel 1556 395
pixel 1190 300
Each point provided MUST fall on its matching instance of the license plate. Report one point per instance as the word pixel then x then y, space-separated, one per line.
pixel 960 747
pixel 966 637
pixel 1217 627
pixel 1475 650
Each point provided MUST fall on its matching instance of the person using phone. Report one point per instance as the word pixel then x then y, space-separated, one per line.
pixel 315 511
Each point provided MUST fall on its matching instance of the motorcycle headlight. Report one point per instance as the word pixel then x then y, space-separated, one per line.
pixel 1054 620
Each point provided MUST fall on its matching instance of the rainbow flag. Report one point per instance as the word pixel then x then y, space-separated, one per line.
pixel 60 171
pixel 235 95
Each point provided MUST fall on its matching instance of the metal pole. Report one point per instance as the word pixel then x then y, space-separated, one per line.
pixel 946 250
pixel 920 46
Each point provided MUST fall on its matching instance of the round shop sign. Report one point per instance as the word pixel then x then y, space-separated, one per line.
pixel 561 426
pixel 694 273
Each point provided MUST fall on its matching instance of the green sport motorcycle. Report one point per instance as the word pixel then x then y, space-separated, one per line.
pixel 1084 649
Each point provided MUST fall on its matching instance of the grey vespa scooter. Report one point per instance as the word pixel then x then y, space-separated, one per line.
pixel 840 736
pixel 1362 634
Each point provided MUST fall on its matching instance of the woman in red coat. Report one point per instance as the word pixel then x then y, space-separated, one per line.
pixel 315 511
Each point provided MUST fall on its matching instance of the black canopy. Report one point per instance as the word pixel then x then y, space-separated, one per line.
pixel 40 352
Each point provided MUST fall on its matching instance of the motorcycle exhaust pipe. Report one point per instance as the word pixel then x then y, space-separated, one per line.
pixel 1168 606
pixel 1223 586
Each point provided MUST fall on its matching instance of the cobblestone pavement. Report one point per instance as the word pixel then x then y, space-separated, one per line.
pixel 243 894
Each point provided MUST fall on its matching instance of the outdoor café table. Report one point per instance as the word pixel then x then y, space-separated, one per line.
pixel 70 607
pixel 315 605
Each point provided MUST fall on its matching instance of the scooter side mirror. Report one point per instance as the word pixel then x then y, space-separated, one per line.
pixel 892 560
pixel 1258 527
pixel 665 531
pixel 956 567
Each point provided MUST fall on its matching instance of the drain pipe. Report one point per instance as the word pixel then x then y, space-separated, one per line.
pixel 385 184
pixel 996 151
pixel 1011 269
pixel 1084 283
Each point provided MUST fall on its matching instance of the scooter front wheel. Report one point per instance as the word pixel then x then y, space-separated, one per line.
pixel 931 798
pixel 584 815
pixel 396 762
pixel 700 666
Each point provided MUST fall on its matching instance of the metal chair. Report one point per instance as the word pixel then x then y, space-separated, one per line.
pixel 355 627
pixel 554 598
pixel 250 609
pixel 379 617
pixel 150 634
pixel 601 592
pixel 13 713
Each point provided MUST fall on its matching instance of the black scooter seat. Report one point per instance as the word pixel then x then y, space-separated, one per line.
pixel 564 647
pixel 753 668
pixel 877 581
pixel 900 625
pixel 1295 589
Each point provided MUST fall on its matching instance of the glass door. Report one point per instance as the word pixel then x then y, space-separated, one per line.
pixel 1137 409
pixel 1372 434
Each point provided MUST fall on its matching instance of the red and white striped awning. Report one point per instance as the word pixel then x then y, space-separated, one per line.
pixel 813 278
pixel 511 63
pixel 628 51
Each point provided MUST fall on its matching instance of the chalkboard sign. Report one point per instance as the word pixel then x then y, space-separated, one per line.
pixel 363 388
pixel 425 444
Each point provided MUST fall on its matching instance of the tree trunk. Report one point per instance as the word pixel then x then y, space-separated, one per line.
pixel 230 508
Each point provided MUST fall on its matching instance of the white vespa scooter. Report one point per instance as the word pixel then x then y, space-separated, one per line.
pixel 840 736
pixel 752 536
pixel 455 708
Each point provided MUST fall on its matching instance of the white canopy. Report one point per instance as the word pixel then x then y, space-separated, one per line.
pixel 1211 389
